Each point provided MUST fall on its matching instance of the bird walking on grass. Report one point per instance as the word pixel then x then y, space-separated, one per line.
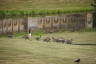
pixel 77 61
pixel 38 38
pixel 28 36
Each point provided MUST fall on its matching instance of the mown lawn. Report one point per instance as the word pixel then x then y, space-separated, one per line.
pixel 43 7
pixel 31 4
pixel 20 51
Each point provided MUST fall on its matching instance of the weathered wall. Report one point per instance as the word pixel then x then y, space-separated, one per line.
pixel 70 22
pixel 8 25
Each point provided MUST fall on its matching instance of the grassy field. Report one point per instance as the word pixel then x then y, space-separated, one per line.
pixel 44 12
pixel 20 51
pixel 43 7
pixel 31 4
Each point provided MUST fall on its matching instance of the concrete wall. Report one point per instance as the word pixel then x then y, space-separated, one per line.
pixel 70 22
pixel 8 25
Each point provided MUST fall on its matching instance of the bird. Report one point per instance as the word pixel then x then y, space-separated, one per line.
pixel 58 40
pixel 46 39
pixel 77 60
pixel 38 38
pixel 69 41
pixel 25 37
pixel 28 36
pixel 10 36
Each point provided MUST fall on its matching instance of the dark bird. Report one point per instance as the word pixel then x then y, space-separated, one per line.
pixel 58 40
pixel 25 37
pixel 61 40
pixel 47 39
pixel 10 36
pixel 77 60
pixel 69 41
pixel 38 38
pixel 28 36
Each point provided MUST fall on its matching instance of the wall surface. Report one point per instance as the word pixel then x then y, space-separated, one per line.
pixel 8 25
pixel 71 22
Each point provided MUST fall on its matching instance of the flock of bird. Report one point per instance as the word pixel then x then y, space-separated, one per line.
pixel 45 39
pixel 49 39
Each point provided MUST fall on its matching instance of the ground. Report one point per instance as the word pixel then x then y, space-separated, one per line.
pixel 50 4
pixel 43 7
pixel 20 51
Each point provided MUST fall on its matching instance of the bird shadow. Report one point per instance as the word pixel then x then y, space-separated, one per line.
pixel 76 63
pixel 85 44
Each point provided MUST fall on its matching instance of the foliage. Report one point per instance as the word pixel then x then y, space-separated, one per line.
pixel 38 32
pixel 41 12
pixel 88 30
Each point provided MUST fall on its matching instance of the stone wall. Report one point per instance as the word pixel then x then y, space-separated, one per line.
pixel 70 22
pixel 8 25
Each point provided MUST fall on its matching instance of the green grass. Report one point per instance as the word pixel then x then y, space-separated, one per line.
pixel 88 30
pixel 43 7
pixel 20 51
pixel 15 34
pixel 42 4
pixel 44 11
